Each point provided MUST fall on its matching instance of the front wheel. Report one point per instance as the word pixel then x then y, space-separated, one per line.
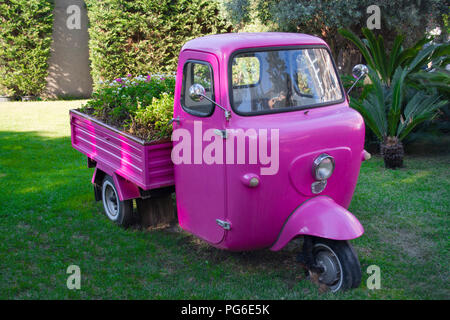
pixel 339 263
pixel 120 212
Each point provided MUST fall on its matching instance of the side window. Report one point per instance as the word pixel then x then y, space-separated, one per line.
pixel 246 70
pixel 198 73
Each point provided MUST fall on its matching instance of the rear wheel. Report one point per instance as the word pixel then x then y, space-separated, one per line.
pixel 120 212
pixel 339 262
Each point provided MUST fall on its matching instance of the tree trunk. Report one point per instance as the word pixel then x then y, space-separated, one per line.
pixel 392 151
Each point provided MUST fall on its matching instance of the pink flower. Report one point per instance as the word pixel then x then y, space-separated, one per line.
pixel 149 77
pixel 118 80
pixel 129 75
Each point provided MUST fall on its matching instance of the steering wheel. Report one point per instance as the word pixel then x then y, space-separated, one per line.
pixel 262 100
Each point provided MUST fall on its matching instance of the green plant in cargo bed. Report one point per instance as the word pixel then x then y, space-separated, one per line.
pixel 141 106
pixel 403 91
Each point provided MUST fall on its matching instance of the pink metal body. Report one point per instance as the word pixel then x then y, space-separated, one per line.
pixel 132 163
pixel 320 217
pixel 270 214
pixel 282 206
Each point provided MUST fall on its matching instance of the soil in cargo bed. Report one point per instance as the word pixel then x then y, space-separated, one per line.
pixel 141 106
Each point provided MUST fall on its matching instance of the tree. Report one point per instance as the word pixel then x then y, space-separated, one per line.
pixel 25 38
pixel 145 36
pixel 324 17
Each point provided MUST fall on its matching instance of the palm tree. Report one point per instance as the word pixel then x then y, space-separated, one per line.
pixel 397 101
pixel 391 115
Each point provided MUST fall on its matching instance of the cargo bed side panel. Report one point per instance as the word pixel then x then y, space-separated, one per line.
pixel 159 166
pixel 148 166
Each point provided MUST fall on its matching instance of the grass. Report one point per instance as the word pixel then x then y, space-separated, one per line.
pixel 49 220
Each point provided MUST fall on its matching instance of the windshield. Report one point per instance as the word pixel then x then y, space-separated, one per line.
pixel 282 80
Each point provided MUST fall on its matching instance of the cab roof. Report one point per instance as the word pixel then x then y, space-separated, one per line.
pixel 226 43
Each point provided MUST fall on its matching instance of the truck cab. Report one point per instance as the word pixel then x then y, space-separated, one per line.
pixel 274 105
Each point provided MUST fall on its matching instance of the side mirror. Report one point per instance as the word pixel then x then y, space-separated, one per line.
pixel 197 93
pixel 359 71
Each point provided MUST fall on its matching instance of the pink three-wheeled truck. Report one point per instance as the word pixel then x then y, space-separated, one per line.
pixel 287 152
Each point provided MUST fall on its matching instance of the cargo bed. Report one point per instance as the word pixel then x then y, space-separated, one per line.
pixel 147 165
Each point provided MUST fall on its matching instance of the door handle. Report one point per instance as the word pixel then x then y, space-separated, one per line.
pixel 177 119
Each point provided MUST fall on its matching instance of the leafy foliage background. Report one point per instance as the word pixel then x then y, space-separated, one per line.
pixel 25 39
pixel 324 18
pixel 145 36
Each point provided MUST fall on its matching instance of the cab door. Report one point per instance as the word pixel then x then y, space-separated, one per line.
pixel 200 184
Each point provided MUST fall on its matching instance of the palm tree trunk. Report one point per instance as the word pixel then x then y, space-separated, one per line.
pixel 392 151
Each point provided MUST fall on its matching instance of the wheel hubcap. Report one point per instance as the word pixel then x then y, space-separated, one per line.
pixel 332 269
pixel 111 202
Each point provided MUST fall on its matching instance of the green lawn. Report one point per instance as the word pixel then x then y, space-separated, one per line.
pixel 49 220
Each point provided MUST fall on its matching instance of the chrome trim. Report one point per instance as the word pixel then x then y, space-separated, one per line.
pixel 322 183
pixel 317 162
pixel 223 224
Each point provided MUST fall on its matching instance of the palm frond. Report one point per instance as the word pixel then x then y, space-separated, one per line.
pixel 373 107
pixel 407 55
pixel 372 114
pixel 418 109
pixel 395 108
pixel 438 78
pixel 421 59
pixel 394 57
pixel 377 51
pixel 441 55
pixel 368 118
pixel 359 44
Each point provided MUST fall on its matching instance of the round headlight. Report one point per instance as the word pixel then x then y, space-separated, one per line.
pixel 323 167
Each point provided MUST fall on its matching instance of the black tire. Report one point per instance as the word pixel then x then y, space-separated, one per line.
pixel 338 256
pixel 120 212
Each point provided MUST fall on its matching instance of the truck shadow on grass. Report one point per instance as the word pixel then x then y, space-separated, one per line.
pixel 49 220
pixel 50 204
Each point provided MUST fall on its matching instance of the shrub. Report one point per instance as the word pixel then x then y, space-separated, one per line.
pixel 155 116
pixel 397 101
pixel 141 106
pixel 348 81
pixel 5 91
pixel 25 38
pixel 144 36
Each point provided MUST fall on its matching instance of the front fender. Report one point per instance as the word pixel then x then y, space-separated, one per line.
pixel 320 217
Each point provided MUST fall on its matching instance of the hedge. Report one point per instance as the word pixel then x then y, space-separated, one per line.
pixel 145 36
pixel 25 39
